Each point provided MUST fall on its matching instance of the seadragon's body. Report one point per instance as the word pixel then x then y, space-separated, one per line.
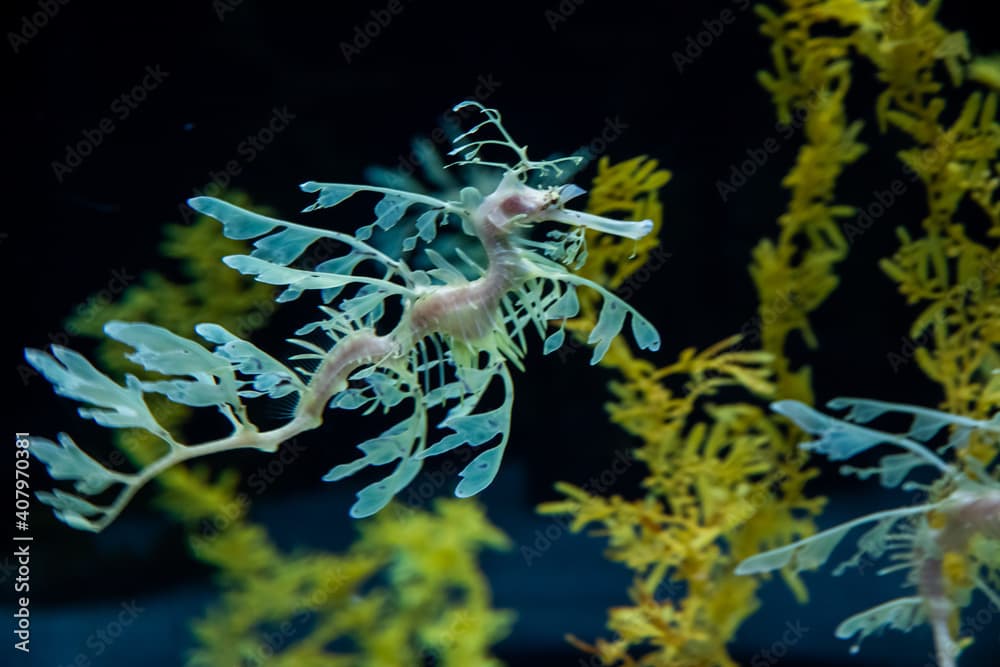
pixel 947 545
pixel 454 335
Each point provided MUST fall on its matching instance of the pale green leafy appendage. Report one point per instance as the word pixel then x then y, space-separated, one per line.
pixel 460 323
pixel 201 378
pixel 962 508
pixel 813 551
pixel 900 614
pixel 840 440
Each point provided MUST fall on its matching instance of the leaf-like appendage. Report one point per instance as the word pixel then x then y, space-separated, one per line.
pixel 283 243
pixel 872 544
pixel 473 430
pixel 813 551
pixel 375 496
pixel 838 440
pixel 566 306
pixel 67 461
pixel 271 376
pixel 197 394
pixel 860 411
pixel 366 307
pixel 480 472
pixel 892 469
pixel 841 440
pixel 444 271
pixel 394 443
pixel 645 334
pixel 286 246
pixel 427 225
pixel 237 223
pixel 388 390
pixel 554 341
pixel 73 376
pixel 805 554
pixel 388 211
pixel 900 614
pixel 299 280
pixel 73 510
pixel 926 423
pixel 159 350
pixel 350 399
pixel 442 394
pixel 609 324
pixel 330 194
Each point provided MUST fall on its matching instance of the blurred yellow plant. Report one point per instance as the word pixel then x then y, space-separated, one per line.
pixel 723 479
pixel 408 588
pixel 794 274
pixel 950 273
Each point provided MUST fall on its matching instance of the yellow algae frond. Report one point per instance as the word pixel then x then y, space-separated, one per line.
pixel 723 480
pixel 407 589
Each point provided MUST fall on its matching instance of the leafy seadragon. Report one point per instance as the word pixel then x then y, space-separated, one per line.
pixel 948 545
pixel 457 331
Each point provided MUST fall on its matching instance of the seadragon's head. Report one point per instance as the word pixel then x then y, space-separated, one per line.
pixel 515 203
pixel 518 202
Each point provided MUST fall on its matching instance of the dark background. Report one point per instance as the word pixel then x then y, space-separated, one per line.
pixel 557 79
